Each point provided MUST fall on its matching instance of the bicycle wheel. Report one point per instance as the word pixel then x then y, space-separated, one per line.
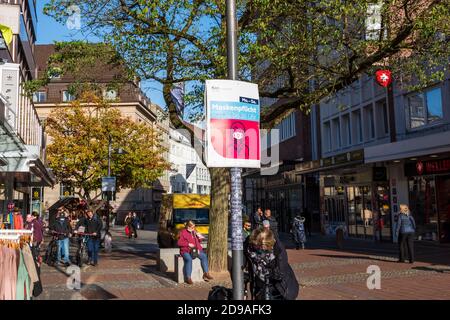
pixel 51 253
pixel 80 256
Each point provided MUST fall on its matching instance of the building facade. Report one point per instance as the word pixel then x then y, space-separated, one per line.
pixel 373 155
pixel 189 174
pixel 279 186
pixel 131 101
pixel 23 170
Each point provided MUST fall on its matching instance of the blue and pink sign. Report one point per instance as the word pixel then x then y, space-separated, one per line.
pixel 233 116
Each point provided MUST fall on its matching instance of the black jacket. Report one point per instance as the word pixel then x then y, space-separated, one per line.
pixel 273 225
pixel 282 276
pixel 256 220
pixel 287 283
pixel 62 225
pixel 94 225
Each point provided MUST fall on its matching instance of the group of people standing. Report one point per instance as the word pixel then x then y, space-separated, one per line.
pixel 89 223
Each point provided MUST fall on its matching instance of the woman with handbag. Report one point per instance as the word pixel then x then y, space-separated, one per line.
pixel 191 248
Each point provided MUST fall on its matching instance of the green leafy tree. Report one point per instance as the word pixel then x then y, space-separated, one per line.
pixel 313 48
pixel 78 152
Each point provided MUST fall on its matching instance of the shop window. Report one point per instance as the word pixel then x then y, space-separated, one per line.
pixel 424 108
pixel 65 191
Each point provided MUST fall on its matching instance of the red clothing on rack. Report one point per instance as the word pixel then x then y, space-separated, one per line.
pixel 18 222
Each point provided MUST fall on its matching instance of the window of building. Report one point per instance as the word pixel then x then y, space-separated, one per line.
pixel 336 134
pixel 346 130
pixel 424 108
pixel 40 96
pixel 287 127
pixel 357 126
pixel 385 118
pixel 370 123
pixel 327 136
pixel 110 94
pixel 67 96
pixel 65 190
pixel 373 21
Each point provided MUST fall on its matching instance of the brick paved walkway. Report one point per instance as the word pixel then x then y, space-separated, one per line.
pixel 324 272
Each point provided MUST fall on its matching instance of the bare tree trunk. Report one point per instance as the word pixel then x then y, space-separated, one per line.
pixel 218 217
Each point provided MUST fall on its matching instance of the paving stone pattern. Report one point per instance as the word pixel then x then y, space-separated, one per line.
pixel 323 271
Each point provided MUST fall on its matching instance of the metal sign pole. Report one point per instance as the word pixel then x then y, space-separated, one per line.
pixel 236 180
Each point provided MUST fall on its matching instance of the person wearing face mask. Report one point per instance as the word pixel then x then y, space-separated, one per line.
pixel 191 248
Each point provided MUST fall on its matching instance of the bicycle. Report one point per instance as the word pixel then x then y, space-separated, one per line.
pixel 51 254
pixel 82 255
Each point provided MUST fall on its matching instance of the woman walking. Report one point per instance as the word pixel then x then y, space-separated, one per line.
pixel 405 231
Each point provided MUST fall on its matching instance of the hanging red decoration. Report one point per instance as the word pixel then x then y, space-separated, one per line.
pixel 384 77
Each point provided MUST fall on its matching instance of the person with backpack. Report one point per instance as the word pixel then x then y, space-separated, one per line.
pixel 271 276
pixel 62 228
pixel 405 231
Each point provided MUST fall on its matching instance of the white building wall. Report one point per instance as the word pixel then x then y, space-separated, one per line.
pixel 181 154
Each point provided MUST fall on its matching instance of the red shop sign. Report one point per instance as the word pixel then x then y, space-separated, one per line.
pixel 383 77
pixel 433 167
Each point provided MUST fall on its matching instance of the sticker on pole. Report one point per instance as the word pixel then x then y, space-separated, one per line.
pixel 232 124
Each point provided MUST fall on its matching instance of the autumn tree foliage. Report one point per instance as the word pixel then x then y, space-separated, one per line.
pixel 78 151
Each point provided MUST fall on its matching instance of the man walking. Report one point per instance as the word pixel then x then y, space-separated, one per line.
pixel 61 226
pixel 94 227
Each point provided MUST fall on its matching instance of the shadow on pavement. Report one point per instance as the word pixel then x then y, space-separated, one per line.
pixel 351 257
pixel 95 292
pixel 431 269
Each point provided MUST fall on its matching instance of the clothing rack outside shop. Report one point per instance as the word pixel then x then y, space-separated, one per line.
pixel 19 271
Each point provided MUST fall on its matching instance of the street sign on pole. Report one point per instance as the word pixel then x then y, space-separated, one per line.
pixel 108 184
pixel 235 173
pixel 232 124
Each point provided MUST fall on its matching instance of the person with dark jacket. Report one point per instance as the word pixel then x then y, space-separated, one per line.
pixel 405 231
pixel 33 223
pixel 129 222
pixel 271 276
pixel 273 222
pixel 93 226
pixel 257 218
pixel 62 228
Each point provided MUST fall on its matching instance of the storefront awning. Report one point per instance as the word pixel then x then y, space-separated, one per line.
pixel 415 147
pixel 27 161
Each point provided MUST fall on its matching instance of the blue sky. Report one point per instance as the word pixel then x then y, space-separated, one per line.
pixel 50 31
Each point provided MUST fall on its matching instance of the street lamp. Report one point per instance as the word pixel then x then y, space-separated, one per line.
pixel 109 192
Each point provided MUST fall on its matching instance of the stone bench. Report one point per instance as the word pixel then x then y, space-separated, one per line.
pixel 197 271
pixel 166 262
pixel 166 259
